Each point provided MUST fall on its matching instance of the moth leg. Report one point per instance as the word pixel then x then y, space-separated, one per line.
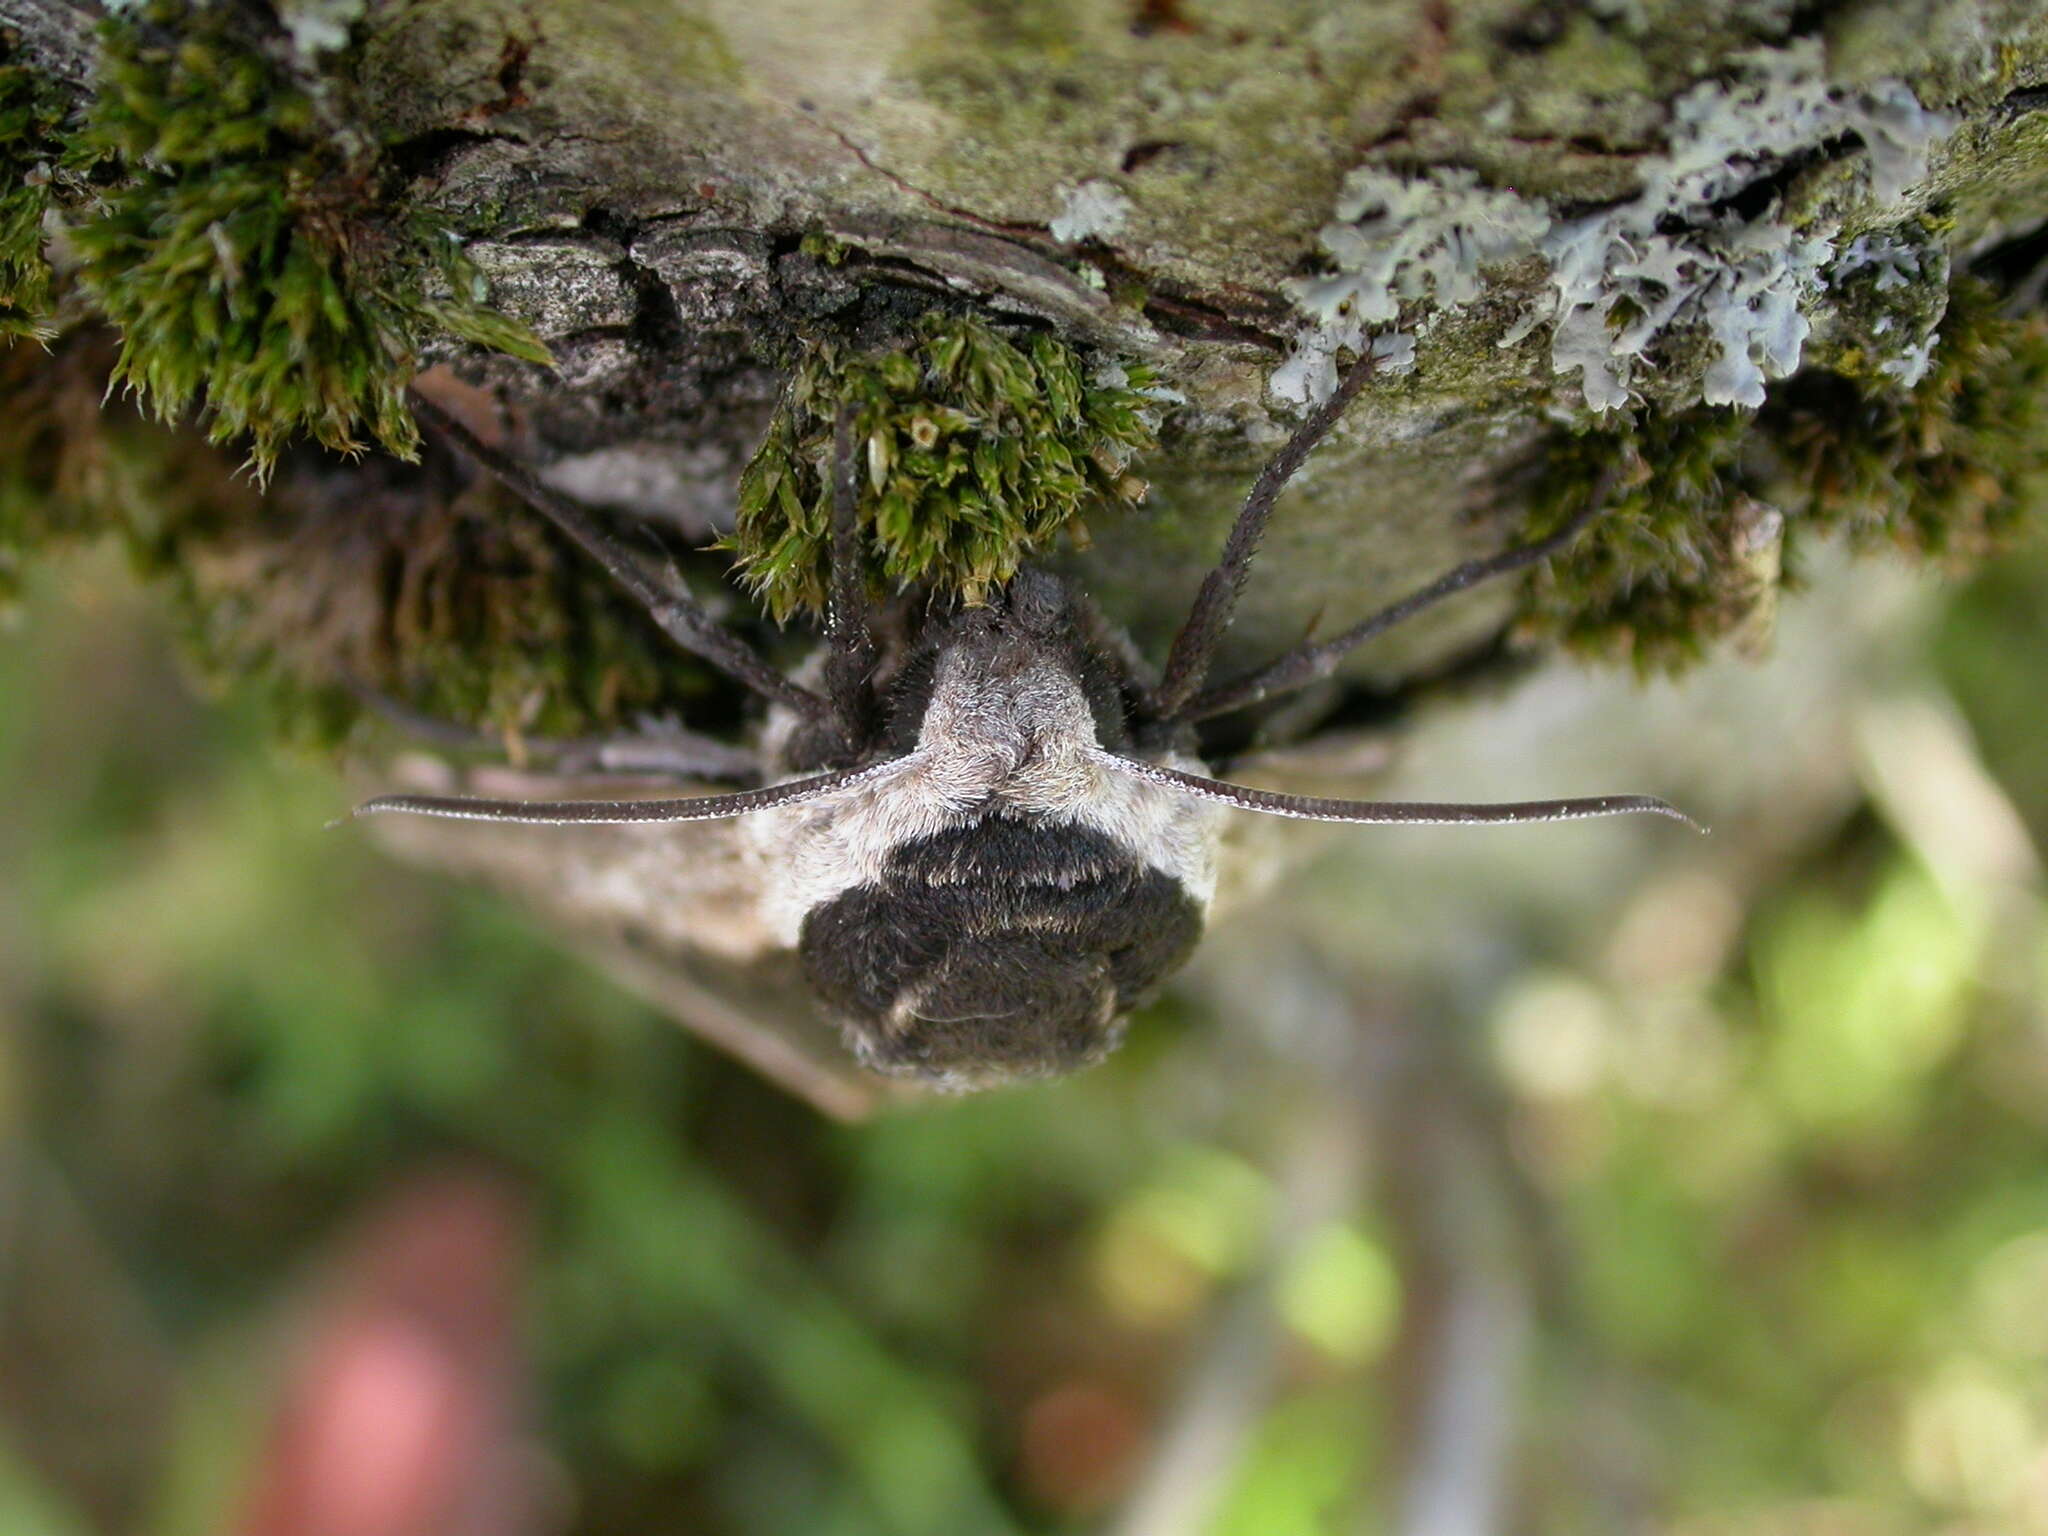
pixel 1108 639
pixel 1310 661
pixel 1130 671
pixel 1194 648
pixel 684 619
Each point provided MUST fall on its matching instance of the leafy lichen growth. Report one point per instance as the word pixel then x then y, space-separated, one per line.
pixel 242 255
pixel 422 584
pixel 1693 257
pixel 32 112
pixel 973 451
pixel 1711 506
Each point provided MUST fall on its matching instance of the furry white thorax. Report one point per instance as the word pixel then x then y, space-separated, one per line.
pixel 1005 731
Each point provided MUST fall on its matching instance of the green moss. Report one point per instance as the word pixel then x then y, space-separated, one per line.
pixel 245 255
pixel 1659 576
pixel 423 584
pixel 32 111
pixel 828 249
pixel 975 451
pixel 1952 469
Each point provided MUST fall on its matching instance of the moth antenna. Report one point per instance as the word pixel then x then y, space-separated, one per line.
pixel 1390 812
pixel 569 813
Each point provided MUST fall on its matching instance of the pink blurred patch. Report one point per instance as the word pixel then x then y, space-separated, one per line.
pixel 399 1414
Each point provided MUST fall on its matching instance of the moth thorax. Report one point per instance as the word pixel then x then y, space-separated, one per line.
pixel 1006 722
pixel 995 910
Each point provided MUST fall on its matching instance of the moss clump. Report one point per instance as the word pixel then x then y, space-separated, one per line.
pixel 974 452
pixel 32 111
pixel 243 255
pixel 1660 575
pixel 1953 468
pixel 425 586
pixel 421 583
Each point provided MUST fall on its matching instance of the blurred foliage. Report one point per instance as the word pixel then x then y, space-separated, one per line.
pixel 1707 508
pixel 242 247
pixel 972 451
pixel 1797 1181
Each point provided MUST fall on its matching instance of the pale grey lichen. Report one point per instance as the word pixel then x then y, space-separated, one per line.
pixel 1679 256
pixel 1901 276
pixel 1400 241
pixel 1093 210
pixel 1309 376
pixel 319 26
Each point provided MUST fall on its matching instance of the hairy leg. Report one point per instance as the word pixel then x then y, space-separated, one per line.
pixel 1194 648
pixel 1305 663
pixel 850 661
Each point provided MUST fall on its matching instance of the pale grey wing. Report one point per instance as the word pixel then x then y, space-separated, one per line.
pixel 670 911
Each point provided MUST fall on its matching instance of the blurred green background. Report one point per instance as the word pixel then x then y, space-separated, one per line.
pixel 1747 1236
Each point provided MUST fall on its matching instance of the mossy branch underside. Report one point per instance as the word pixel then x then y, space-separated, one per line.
pixel 219 235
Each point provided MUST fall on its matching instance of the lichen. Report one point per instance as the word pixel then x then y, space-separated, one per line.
pixel 1090 211
pixel 244 254
pixel 974 452
pixel 1708 246
pixel 1891 289
pixel 1953 468
pixel 1400 242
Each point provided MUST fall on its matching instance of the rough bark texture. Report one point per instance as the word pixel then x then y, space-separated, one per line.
pixel 639 181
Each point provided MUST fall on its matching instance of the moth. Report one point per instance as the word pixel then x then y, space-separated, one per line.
pixel 990 838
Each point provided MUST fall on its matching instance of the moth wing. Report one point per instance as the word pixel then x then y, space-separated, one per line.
pixel 670 911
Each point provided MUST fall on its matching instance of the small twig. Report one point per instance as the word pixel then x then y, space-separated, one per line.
pixel 1468 1342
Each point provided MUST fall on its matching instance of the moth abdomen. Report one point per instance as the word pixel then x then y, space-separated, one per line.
pixel 1008 948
